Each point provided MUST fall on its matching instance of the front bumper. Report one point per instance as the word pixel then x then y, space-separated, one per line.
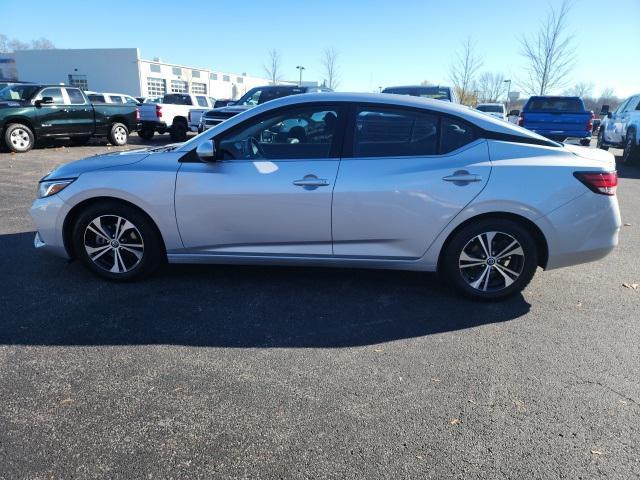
pixel 48 214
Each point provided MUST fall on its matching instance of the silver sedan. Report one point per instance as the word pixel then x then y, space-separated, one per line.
pixel 359 180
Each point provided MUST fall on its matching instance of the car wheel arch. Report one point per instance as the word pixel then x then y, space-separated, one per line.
pixel 21 120
pixel 76 210
pixel 542 246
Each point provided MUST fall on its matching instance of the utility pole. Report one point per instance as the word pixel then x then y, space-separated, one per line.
pixel 508 92
pixel 300 68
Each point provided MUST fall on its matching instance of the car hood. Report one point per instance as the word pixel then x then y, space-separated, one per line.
pixel 227 111
pixel 97 162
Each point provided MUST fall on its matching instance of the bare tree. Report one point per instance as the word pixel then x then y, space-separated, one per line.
pixel 42 44
pixel 491 86
pixel 581 89
pixel 272 69
pixel 463 71
pixel 329 63
pixel 15 45
pixel 549 54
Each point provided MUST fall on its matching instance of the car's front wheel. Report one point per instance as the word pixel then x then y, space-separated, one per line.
pixel 600 143
pixel 490 259
pixel 116 241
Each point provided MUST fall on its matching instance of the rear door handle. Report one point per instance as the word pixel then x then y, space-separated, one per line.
pixel 462 177
pixel 311 181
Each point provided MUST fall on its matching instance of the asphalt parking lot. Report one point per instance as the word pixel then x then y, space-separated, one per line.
pixel 256 372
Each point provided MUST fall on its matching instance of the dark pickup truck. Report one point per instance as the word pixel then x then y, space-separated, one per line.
pixel 31 112
pixel 558 118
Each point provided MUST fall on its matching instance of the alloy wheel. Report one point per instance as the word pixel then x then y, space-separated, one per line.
pixel 120 134
pixel 491 261
pixel 113 243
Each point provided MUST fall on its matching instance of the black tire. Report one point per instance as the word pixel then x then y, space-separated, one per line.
pixel 493 285
pixel 146 133
pixel 80 141
pixel 131 265
pixel 118 134
pixel 178 131
pixel 631 153
pixel 585 142
pixel 19 138
pixel 600 143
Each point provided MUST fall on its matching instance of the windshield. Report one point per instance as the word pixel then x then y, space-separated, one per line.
pixel 17 92
pixel 490 108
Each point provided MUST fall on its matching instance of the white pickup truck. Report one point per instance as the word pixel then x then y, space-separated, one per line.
pixel 171 115
pixel 621 129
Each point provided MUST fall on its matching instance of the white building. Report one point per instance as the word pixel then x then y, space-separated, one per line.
pixel 122 70
pixel 8 67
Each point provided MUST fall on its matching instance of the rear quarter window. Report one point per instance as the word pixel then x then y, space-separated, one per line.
pixel 454 134
pixel 554 105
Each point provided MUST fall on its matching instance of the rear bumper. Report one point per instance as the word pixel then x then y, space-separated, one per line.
pixel 584 230
pixel 153 125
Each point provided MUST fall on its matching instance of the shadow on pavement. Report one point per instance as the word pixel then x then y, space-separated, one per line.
pixel 626 171
pixel 47 301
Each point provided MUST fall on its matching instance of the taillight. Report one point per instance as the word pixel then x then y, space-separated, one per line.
pixel 159 111
pixel 590 122
pixel 521 119
pixel 137 114
pixel 599 182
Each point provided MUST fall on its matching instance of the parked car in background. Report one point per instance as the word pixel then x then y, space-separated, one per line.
pixel 494 109
pixel 414 184
pixel 621 129
pixel 255 96
pixel 149 99
pixel 223 102
pixel 558 118
pixel 31 112
pixel 435 92
pixel 102 97
pixel 171 115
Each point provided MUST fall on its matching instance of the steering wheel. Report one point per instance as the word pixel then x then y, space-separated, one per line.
pixel 255 148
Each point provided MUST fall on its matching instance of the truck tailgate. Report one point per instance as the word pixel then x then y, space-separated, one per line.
pixel 558 123
pixel 148 112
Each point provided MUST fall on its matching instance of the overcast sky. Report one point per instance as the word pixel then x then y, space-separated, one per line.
pixel 380 43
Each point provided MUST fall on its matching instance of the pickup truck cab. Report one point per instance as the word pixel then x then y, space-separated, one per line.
pixel 558 118
pixel 493 109
pixel 31 112
pixel 621 129
pixel 253 97
pixel 172 115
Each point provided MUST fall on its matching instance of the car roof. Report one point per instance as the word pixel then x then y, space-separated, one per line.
pixel 418 86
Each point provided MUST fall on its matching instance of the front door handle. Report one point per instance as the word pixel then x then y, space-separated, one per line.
pixel 462 177
pixel 311 181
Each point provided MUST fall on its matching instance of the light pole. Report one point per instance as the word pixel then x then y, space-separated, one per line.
pixel 508 92
pixel 300 67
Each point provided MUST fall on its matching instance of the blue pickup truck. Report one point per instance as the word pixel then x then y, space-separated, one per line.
pixel 558 118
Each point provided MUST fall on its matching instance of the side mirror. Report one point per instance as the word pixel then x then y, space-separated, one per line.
pixel 514 113
pixel 604 110
pixel 44 101
pixel 206 151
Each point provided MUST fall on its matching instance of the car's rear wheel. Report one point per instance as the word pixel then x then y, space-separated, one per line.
pixel 19 138
pixel 118 134
pixel 490 259
pixel 178 131
pixel 146 133
pixel 116 241
pixel 600 143
pixel 631 154
pixel 585 142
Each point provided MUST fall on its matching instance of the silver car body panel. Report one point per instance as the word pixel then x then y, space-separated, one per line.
pixel 368 212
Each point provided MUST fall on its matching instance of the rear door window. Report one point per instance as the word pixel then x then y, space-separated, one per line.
pixel 202 101
pixel 55 93
pixel 454 134
pixel 75 96
pixel 389 132
pixel 551 104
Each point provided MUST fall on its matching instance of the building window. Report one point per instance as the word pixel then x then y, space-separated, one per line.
pixel 177 71
pixel 179 86
pixel 156 87
pixel 79 81
pixel 199 88
pixel 240 79
pixel 225 78
pixel 213 76
pixel 195 73
pixel 154 67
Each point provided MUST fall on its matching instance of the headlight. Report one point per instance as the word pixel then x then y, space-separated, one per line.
pixel 51 187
